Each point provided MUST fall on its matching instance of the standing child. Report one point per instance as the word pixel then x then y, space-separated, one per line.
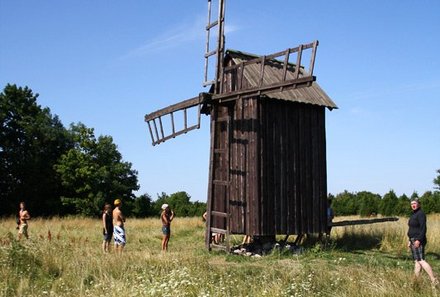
pixel 107 230
pixel 167 216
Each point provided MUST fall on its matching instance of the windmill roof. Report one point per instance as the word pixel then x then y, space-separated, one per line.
pixel 312 94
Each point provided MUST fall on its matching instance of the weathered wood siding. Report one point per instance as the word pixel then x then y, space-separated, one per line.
pixel 277 168
pixel 293 172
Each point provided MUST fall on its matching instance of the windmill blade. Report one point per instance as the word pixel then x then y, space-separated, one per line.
pixel 158 129
pixel 268 74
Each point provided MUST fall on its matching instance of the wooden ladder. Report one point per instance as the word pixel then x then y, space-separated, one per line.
pixel 218 183
pixel 218 52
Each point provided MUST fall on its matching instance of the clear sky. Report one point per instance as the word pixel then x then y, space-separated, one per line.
pixel 108 63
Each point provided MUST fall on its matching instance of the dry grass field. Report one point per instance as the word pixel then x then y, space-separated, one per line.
pixel 366 260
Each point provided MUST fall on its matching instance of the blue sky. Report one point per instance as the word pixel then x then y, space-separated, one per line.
pixel 108 63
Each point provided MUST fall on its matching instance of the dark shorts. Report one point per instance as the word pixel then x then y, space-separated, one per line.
pixel 107 237
pixel 166 230
pixel 418 254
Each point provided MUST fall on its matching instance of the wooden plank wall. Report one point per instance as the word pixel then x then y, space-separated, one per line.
pixel 293 174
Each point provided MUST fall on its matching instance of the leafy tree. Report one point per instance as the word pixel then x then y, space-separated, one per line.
pixel 388 203
pixel 93 172
pixel 180 203
pixel 437 180
pixel 430 202
pixel 345 204
pixel 142 206
pixel 31 141
pixel 368 203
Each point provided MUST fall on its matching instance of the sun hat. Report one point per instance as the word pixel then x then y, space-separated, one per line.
pixel 164 206
pixel 117 202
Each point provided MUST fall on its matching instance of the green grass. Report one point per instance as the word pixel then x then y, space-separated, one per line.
pixel 368 260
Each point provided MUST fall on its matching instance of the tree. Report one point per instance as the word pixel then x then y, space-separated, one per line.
pixel 403 206
pixel 31 141
pixel 142 206
pixel 345 204
pixel 388 204
pixel 368 203
pixel 437 180
pixel 93 172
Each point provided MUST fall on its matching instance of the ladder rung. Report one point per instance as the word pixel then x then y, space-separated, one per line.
pixel 211 53
pixel 220 182
pixel 219 214
pixel 219 246
pixel 208 83
pixel 218 230
pixel 213 24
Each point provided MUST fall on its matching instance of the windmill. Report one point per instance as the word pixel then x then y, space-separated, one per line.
pixel 267 168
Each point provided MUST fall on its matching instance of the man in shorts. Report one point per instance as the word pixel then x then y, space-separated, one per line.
pixel 23 217
pixel 118 227
pixel 417 241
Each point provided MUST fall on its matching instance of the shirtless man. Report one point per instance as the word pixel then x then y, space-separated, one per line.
pixel 166 217
pixel 23 217
pixel 118 227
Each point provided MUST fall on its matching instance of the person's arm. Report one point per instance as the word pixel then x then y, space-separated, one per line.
pixel 103 223
pixel 172 215
pixel 422 227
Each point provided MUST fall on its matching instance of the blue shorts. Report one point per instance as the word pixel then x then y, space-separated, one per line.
pixel 166 230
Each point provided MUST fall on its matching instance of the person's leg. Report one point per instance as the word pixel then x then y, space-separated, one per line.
pixel 417 268
pixel 164 237
pixel 425 265
pixel 167 239
pixel 104 246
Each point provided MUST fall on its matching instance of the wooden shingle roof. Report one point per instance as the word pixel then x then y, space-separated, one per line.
pixel 273 72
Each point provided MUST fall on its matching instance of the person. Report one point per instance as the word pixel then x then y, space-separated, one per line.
pixel 417 241
pixel 166 217
pixel 330 217
pixel 23 218
pixel 215 237
pixel 107 227
pixel 118 227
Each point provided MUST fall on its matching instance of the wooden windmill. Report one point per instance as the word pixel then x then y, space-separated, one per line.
pixel 267 169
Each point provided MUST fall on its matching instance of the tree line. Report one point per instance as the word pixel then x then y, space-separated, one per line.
pixel 61 171
pixel 367 204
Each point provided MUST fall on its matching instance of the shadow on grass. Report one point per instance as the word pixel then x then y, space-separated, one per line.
pixel 357 241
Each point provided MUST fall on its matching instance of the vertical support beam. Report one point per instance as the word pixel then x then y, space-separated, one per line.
pixel 298 61
pixel 155 129
pixel 161 127
pixel 172 122
pixel 220 46
pixel 151 133
pixel 312 58
pixel 263 63
pixel 185 119
pixel 210 180
pixel 286 62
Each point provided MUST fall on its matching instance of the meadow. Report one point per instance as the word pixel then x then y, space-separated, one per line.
pixel 365 260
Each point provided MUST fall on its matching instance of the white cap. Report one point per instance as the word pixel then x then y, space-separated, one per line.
pixel 164 206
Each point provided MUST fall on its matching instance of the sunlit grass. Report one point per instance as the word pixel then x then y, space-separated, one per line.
pixel 364 260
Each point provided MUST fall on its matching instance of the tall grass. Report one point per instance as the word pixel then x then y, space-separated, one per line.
pixel 366 260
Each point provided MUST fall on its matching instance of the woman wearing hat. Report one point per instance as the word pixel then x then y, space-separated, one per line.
pixel 167 216
pixel 417 240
